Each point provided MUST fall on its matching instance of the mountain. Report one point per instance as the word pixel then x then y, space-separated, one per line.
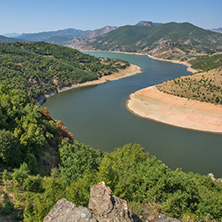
pixel 11 35
pixel 170 40
pixel 93 34
pixel 6 39
pixel 90 35
pixel 58 37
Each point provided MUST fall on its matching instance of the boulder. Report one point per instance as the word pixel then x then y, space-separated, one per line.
pixel 65 211
pixel 107 207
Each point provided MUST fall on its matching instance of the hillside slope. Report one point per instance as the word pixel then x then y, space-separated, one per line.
pixel 39 68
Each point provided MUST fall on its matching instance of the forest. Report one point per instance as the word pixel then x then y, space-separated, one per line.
pixel 38 68
pixel 40 163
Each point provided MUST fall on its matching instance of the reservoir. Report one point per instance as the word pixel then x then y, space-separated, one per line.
pixel 97 116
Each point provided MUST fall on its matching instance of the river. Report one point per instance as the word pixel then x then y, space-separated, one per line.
pixel 97 116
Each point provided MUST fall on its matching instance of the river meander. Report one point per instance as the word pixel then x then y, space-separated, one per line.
pixel 97 116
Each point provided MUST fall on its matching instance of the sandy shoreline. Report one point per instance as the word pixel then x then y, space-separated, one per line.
pixel 152 104
pixel 129 71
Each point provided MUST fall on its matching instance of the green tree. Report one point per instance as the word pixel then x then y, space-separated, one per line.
pixel 9 148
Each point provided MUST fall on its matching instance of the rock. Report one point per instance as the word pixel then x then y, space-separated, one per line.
pixel 219 180
pixel 65 211
pixel 107 207
pixel 161 218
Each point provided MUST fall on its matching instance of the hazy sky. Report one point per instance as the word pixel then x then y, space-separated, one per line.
pixel 44 15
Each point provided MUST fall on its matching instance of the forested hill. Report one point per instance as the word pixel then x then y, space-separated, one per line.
pixel 39 68
pixel 169 41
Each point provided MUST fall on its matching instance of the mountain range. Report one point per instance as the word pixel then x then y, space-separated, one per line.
pixel 169 40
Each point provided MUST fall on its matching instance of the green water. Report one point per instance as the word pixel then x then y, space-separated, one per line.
pixel 97 116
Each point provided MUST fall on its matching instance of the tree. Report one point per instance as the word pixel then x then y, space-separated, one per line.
pixel 9 148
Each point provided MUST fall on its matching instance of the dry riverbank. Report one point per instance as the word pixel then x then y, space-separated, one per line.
pixel 152 104
pixel 129 71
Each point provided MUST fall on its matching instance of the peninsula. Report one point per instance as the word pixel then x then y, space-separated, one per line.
pixel 192 102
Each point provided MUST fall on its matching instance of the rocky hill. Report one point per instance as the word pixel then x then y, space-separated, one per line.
pixel 168 41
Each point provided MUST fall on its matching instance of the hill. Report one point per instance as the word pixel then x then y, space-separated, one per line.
pixel 168 41
pixel 39 68
pixel 204 86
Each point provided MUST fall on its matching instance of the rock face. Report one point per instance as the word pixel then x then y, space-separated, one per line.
pixel 107 207
pixel 65 211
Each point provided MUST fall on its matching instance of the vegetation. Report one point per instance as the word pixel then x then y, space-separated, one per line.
pixel 27 132
pixel 170 41
pixel 40 68
pixel 145 182
pixel 205 86
pixel 207 63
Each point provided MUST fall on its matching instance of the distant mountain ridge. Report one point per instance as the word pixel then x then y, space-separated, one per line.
pixel 170 40
pixel 6 39
pixel 65 35
pixel 217 30
pixel 11 35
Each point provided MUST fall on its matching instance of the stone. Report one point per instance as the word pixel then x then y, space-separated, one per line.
pixel 107 207
pixel 65 211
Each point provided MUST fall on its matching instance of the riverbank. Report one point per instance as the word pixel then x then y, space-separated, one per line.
pixel 129 71
pixel 189 69
pixel 152 104
pixel 188 65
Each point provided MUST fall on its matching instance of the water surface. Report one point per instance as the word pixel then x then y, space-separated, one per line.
pixel 97 116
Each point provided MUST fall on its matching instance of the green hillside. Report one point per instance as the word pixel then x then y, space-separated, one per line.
pixel 40 163
pixel 38 67
pixel 170 40
pixel 122 38
pixel 203 86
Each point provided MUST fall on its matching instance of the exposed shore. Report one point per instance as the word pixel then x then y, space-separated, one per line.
pixel 152 104
pixel 129 71
pixel 189 69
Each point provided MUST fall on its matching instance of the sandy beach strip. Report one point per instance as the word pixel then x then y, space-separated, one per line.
pixel 152 104
pixel 129 71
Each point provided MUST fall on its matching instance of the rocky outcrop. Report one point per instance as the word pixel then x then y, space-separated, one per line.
pixel 107 207
pixel 103 207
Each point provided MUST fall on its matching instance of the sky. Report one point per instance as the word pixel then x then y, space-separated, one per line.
pixel 30 16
